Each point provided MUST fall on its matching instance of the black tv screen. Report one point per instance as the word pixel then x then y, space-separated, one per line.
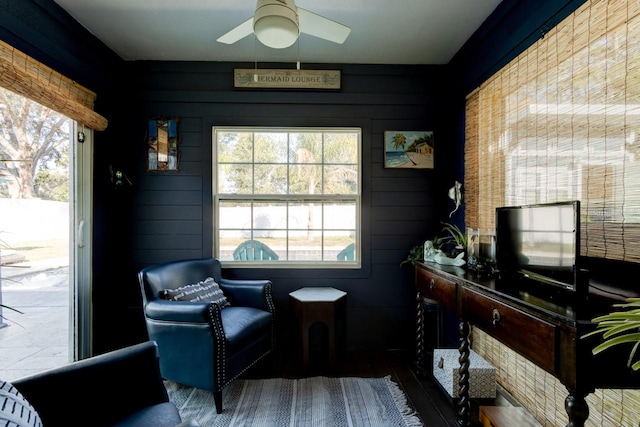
pixel 540 242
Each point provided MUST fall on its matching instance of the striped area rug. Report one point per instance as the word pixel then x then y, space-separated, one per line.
pixel 316 402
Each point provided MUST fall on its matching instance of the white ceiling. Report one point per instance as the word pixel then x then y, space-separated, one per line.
pixel 382 31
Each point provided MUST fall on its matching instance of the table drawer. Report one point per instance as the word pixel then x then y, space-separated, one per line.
pixel 530 336
pixel 437 287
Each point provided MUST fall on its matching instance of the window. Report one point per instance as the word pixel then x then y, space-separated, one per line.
pixel 287 196
pixel 561 122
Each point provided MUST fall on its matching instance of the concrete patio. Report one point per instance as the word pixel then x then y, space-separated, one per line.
pixel 37 338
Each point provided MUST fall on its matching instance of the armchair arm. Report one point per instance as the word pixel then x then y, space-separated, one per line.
pixel 177 311
pixel 249 293
pixel 112 386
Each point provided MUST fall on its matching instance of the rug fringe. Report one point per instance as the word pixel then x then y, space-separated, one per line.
pixel 408 413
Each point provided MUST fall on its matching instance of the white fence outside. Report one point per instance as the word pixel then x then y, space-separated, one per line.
pixel 24 220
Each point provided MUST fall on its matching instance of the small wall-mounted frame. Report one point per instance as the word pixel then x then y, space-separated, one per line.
pixel 408 149
pixel 162 144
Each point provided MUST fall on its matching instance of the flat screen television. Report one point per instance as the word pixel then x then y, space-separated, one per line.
pixel 540 242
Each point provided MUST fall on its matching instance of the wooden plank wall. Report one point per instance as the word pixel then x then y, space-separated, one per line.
pixel 172 212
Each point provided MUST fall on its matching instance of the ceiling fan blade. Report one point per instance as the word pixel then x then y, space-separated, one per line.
pixel 238 33
pixel 319 26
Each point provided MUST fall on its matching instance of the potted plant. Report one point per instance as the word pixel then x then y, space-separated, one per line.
pixel 416 253
pixel 455 237
pixel 620 327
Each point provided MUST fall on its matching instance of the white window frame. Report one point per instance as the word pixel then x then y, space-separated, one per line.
pixel 80 271
pixel 355 198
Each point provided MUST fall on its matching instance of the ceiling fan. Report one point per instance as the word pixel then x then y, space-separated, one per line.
pixel 278 23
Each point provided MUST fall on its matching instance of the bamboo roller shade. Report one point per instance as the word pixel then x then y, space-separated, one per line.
pixel 562 122
pixel 31 79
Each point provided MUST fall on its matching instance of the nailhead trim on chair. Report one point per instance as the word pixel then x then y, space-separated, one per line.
pixel 246 369
pixel 215 321
pixel 272 309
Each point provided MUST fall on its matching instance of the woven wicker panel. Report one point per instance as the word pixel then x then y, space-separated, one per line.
pixel 543 395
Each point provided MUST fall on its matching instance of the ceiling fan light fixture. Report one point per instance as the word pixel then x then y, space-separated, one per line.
pixel 276 32
pixel 275 23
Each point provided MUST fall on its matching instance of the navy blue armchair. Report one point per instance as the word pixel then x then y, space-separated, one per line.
pixel 206 344
pixel 120 388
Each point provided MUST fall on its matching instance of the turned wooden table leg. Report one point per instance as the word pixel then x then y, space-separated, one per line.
pixel 419 333
pixel 577 409
pixel 464 402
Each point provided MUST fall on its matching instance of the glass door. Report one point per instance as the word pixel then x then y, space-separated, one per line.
pixel 45 219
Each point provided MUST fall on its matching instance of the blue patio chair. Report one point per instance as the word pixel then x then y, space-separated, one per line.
pixel 348 253
pixel 251 250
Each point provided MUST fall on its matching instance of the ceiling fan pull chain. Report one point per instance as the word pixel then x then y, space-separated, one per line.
pixel 255 55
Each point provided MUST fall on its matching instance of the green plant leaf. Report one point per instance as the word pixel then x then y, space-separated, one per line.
pixel 617 317
pixel 416 253
pixel 11 308
pixel 632 355
pixel 455 234
pixel 619 327
pixel 616 341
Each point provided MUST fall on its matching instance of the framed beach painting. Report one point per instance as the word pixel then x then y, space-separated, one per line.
pixel 408 149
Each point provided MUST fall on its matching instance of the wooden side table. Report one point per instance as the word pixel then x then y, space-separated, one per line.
pixel 319 304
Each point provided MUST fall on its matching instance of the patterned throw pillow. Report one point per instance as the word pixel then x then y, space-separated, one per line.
pixel 14 408
pixel 207 290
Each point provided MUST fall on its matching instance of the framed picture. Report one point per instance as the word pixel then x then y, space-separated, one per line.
pixel 162 144
pixel 408 149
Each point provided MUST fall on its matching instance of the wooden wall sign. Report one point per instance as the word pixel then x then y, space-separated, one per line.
pixel 286 79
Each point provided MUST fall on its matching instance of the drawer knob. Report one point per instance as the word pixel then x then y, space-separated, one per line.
pixel 496 317
pixel 432 284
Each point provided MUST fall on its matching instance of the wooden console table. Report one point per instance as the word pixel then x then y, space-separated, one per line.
pixel 543 325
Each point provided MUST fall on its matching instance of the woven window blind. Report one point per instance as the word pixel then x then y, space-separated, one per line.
pixel 34 80
pixel 562 122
